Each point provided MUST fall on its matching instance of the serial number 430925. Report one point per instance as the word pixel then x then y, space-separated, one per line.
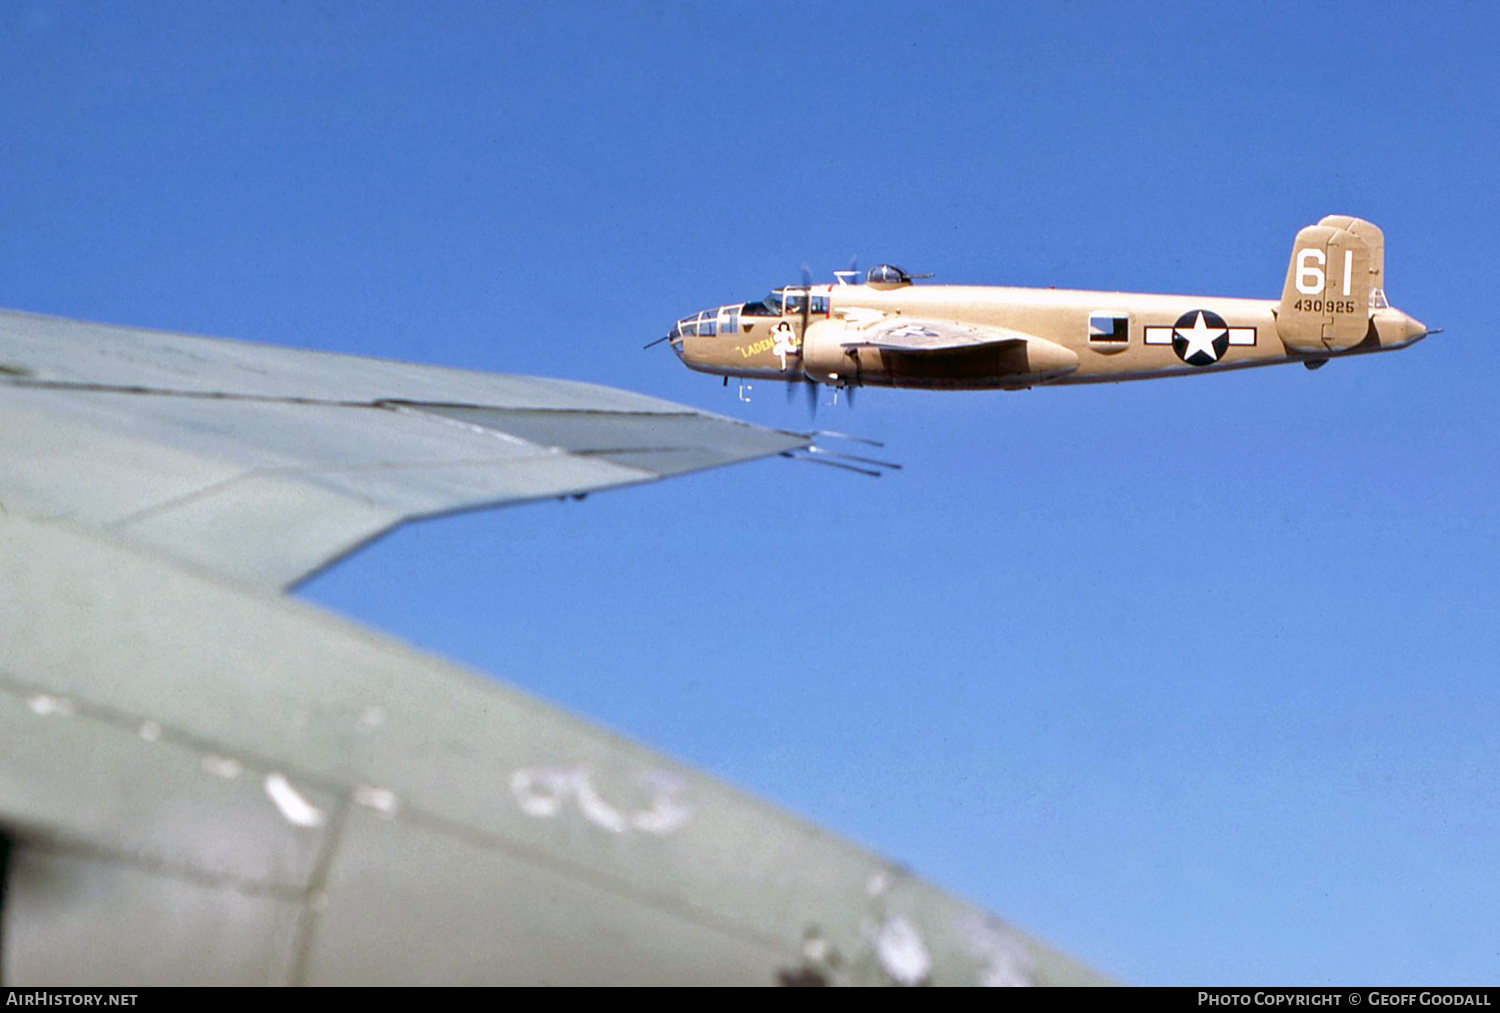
pixel 1325 305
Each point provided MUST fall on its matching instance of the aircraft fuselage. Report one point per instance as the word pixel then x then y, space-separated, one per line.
pixel 1143 337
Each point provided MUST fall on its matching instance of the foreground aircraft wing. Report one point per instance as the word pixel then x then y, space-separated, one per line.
pixel 910 334
pixel 265 464
pixel 205 781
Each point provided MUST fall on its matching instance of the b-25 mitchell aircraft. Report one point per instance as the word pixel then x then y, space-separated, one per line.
pixel 888 332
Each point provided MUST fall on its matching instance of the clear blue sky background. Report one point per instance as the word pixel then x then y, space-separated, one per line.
pixel 1195 679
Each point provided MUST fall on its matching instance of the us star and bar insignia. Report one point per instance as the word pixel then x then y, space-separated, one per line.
pixel 1200 337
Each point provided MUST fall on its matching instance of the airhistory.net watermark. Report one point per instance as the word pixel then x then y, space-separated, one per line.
pixel 58 997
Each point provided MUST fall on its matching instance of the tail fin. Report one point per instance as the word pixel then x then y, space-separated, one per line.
pixel 1334 280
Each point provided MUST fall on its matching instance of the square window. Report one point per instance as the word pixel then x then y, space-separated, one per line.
pixel 1109 328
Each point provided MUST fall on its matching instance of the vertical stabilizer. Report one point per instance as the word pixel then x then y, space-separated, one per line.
pixel 1334 279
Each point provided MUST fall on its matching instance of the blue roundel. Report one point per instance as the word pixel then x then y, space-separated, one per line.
pixel 1200 337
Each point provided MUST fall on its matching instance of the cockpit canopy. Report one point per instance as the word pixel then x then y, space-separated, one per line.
pixel 788 301
pixel 791 301
pixel 724 320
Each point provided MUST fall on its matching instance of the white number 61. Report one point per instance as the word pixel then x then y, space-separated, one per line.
pixel 1310 277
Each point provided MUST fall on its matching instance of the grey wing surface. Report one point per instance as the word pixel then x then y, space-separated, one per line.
pixel 265 464
pixel 205 781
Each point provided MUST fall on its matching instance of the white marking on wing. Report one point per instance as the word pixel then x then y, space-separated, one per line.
pixel 44 705
pixel 902 952
pixel 297 810
pixel 382 800
pixel 595 809
pixel 222 766
pixel 539 791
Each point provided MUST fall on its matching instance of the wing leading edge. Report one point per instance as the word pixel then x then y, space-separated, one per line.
pixel 266 464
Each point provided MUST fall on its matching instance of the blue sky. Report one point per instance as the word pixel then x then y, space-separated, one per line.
pixel 1195 679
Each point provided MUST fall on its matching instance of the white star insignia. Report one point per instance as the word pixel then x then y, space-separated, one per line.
pixel 1200 338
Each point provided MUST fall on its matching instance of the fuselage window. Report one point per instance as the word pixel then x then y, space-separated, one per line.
pixel 1109 329
pixel 820 305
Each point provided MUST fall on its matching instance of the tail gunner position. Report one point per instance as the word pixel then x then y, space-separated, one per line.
pixel 888 332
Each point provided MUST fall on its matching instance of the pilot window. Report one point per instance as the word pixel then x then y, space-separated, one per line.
pixel 770 306
pixel 820 305
pixel 1109 329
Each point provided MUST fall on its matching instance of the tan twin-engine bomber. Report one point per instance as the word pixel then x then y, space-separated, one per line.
pixel 889 332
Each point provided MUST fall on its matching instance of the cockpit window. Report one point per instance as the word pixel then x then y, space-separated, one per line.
pixel 781 302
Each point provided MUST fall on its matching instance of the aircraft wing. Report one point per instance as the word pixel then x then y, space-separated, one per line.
pixel 265 464
pixel 206 781
pixel 911 334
